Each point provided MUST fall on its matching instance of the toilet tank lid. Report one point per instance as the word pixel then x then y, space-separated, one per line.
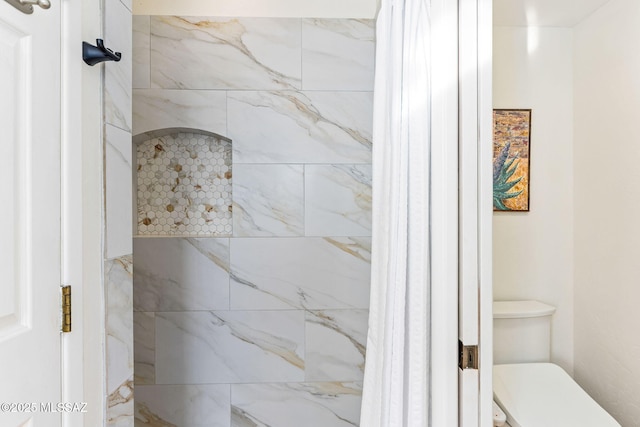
pixel 521 309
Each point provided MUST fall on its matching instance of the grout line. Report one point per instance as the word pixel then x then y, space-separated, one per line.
pixel 304 200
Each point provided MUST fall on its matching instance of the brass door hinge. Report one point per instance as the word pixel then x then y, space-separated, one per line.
pixel 66 308
pixel 468 356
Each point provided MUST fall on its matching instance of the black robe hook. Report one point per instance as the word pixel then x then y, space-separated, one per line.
pixel 94 54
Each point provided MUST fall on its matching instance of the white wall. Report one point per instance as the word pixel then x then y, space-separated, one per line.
pixel 260 8
pixel 607 202
pixel 533 250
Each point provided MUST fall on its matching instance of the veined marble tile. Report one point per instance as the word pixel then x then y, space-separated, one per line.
pixel 300 127
pixel 120 406
pixel 118 75
pixel 338 200
pixel 268 200
pixel 229 347
pixel 144 347
pixel 225 53
pixel 119 318
pixel 310 273
pixel 166 108
pixel 119 230
pixel 293 405
pixel 338 54
pixel 177 274
pixel 183 405
pixel 335 345
pixel 141 52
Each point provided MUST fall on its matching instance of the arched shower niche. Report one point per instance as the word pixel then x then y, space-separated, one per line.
pixel 183 183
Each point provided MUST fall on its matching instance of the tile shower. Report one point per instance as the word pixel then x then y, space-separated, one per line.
pixel 260 321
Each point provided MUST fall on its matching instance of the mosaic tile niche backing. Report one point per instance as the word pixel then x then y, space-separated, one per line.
pixel 184 185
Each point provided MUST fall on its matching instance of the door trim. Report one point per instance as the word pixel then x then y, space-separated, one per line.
pixel 485 207
pixel 476 211
pixel 469 169
pixel 83 367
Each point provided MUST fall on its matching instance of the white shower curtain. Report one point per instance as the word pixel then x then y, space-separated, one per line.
pixel 396 381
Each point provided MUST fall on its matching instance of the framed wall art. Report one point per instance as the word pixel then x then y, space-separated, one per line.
pixel 511 152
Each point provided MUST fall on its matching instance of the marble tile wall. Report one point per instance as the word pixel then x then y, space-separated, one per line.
pixel 118 265
pixel 266 327
pixel 119 345
pixel 202 333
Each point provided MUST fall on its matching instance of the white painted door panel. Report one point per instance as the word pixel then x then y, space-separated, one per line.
pixel 485 210
pixel 29 216
pixel 475 287
pixel 468 219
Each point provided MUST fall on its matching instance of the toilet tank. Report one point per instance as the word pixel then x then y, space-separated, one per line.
pixel 521 331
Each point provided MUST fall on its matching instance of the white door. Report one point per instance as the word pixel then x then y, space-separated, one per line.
pixel 468 304
pixel 475 210
pixel 30 368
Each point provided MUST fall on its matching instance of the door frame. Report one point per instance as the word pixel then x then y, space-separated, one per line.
pixel 485 207
pixel 462 228
pixel 83 370
pixel 476 208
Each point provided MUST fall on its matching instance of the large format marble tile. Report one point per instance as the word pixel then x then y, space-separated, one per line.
pixel 335 345
pixel 331 404
pixel 337 200
pixel 176 274
pixel 225 53
pixel 183 406
pixel 338 54
pixel 119 229
pixel 144 347
pixel 141 52
pixel 118 75
pixel 310 273
pixel 229 347
pixel 268 200
pixel 120 405
pixel 300 127
pixel 119 319
pixel 166 108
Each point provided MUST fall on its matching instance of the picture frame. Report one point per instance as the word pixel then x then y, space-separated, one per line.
pixel 511 159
